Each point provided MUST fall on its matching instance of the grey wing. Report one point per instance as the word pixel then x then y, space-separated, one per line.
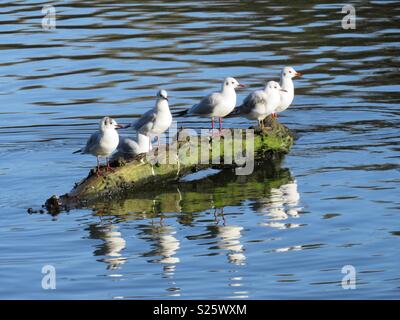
pixel 250 102
pixel 146 121
pixel 91 143
pixel 128 146
pixel 206 106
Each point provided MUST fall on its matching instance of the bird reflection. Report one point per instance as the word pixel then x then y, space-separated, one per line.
pixel 164 246
pixel 282 204
pixel 112 246
pixel 228 238
pixel 164 243
pixel 168 246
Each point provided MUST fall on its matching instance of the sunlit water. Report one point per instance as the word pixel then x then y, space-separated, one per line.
pixel 284 232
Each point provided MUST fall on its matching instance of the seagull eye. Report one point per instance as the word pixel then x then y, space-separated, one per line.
pixel 290 71
pixel 227 83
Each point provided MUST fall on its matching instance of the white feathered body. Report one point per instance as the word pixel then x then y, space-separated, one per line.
pixel 287 97
pixel 217 104
pixel 163 119
pixel 131 147
pixel 155 121
pixel 260 104
pixel 102 143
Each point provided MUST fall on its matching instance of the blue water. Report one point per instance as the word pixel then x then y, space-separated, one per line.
pixel 283 233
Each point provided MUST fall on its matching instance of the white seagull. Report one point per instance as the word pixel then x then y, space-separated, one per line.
pixel 287 84
pixel 155 121
pixel 217 104
pixel 103 142
pixel 260 103
pixel 130 147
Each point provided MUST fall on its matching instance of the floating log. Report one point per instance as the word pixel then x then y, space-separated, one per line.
pixel 171 162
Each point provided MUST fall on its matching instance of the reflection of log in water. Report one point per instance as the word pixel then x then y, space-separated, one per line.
pixel 215 191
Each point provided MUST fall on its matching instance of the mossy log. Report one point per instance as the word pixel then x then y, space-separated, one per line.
pixel 170 162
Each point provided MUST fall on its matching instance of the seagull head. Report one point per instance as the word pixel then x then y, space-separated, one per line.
pixel 232 83
pixel 109 123
pixel 289 73
pixel 162 94
pixel 273 86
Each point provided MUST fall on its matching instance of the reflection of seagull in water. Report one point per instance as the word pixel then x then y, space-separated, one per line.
pixel 164 246
pixel 112 246
pixel 230 240
pixel 169 245
pixel 282 204
pixel 165 243
pixel 292 198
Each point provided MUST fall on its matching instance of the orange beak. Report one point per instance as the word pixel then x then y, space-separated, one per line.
pixel 297 74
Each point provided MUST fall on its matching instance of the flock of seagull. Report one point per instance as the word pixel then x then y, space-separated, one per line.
pixel 273 99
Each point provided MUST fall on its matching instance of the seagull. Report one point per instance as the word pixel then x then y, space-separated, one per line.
pixel 103 142
pixel 128 146
pixel 217 104
pixel 287 84
pixel 260 103
pixel 155 121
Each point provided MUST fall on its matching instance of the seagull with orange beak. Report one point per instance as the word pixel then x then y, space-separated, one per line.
pixel 287 95
pixel 217 104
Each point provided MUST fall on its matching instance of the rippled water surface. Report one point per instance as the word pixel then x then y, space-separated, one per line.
pixel 284 232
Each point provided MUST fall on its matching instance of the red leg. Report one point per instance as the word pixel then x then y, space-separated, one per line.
pixel 212 123
pixel 98 167
pixel 220 124
pixel 109 168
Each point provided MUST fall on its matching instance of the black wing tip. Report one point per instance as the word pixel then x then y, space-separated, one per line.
pixel 181 113
pixel 235 112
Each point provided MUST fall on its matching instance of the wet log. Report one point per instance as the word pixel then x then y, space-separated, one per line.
pixel 185 154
